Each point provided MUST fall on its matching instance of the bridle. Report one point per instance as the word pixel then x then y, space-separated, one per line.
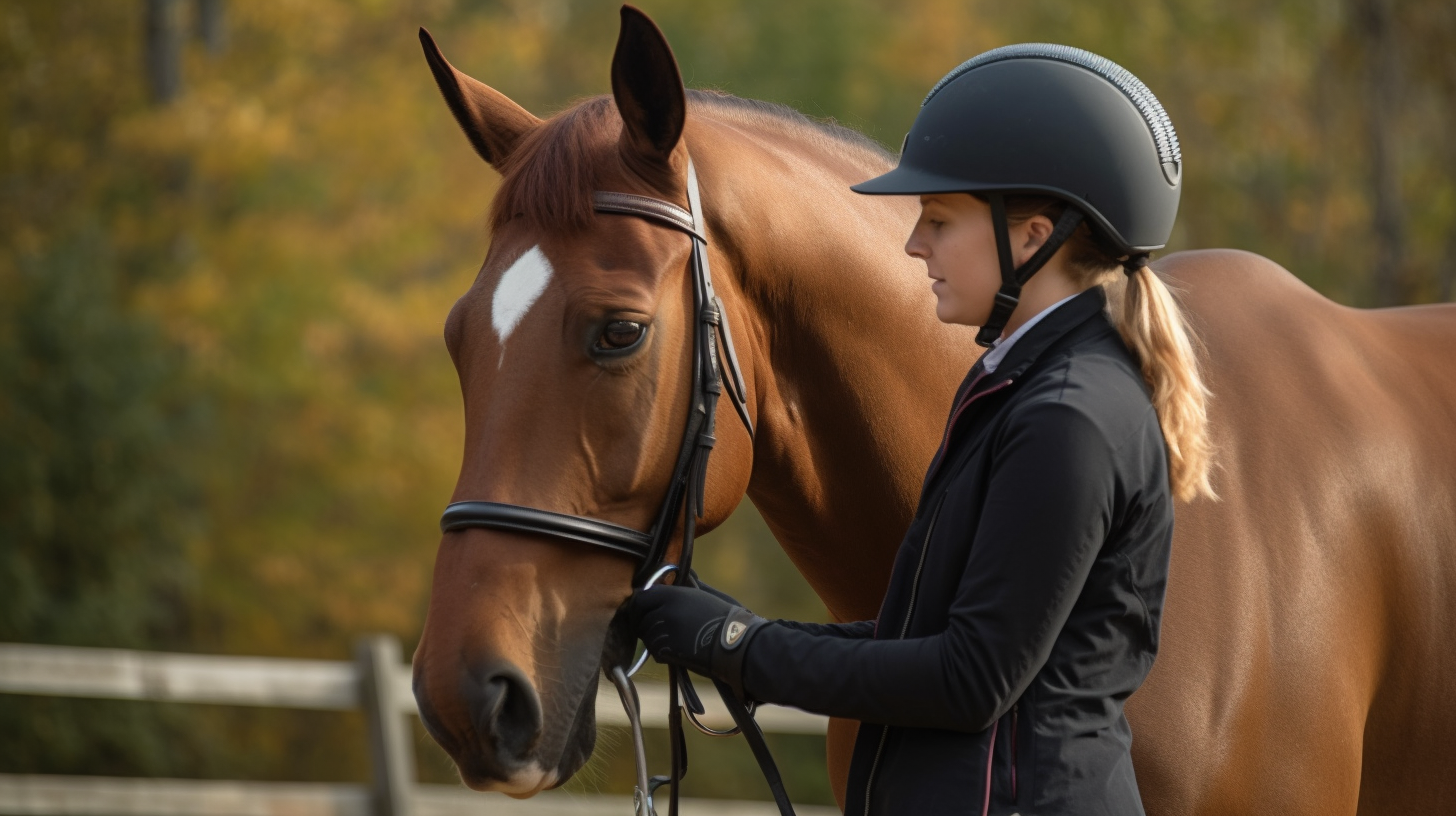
pixel 685 489
pixel 650 548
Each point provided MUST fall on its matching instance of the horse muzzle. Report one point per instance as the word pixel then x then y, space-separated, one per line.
pixel 496 731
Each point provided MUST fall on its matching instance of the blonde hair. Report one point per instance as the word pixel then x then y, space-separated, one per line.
pixel 1152 325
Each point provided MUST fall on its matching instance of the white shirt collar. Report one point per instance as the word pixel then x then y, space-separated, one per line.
pixel 1003 345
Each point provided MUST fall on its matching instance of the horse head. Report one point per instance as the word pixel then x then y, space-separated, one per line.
pixel 575 352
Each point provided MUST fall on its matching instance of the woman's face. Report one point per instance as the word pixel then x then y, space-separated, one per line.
pixel 955 239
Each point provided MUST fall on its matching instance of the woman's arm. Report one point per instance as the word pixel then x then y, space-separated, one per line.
pixel 1047 514
pixel 855 630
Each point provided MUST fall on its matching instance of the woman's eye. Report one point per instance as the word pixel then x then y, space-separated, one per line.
pixel 620 334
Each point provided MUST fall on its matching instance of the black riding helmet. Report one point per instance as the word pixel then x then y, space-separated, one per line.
pixel 1054 120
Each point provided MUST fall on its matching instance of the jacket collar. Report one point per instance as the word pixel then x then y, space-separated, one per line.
pixel 1050 329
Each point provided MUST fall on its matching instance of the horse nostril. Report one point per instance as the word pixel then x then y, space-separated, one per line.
pixel 508 714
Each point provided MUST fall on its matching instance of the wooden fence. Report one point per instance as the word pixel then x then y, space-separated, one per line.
pixel 376 681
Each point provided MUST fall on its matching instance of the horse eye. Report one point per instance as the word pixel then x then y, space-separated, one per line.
pixel 620 334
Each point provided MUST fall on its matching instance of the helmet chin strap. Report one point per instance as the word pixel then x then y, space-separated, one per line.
pixel 1014 277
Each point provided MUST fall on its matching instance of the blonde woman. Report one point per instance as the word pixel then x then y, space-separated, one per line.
pixel 1026 597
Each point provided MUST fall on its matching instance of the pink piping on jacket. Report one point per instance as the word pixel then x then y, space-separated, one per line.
pixel 990 755
pixel 945 440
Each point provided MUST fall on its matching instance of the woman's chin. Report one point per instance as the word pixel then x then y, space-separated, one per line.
pixel 946 312
pixel 944 305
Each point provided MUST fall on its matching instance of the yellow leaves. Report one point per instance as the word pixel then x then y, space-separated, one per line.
pixel 179 305
pixel 1211 107
pixel 282 572
pixel 397 323
pixel 931 37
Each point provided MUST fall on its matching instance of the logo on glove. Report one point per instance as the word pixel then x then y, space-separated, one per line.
pixel 735 631
pixel 706 635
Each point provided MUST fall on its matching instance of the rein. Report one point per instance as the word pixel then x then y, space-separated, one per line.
pixel 685 491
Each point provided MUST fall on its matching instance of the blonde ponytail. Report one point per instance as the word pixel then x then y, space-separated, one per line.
pixel 1151 323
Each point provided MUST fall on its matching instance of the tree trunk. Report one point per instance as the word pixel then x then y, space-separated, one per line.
pixel 1375 22
pixel 163 35
pixel 211 28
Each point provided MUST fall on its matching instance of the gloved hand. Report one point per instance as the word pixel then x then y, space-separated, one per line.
pixel 694 629
pixel 712 590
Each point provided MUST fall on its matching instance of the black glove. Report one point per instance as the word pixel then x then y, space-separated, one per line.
pixel 711 590
pixel 694 629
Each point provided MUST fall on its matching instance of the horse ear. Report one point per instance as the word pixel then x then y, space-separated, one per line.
pixel 492 122
pixel 648 88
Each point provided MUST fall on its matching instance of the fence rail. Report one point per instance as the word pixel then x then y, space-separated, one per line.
pixel 277 682
pixel 376 681
pixel 42 795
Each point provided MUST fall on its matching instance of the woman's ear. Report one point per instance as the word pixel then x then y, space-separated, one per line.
pixel 1028 236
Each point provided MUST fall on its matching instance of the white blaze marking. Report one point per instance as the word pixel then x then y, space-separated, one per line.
pixel 517 291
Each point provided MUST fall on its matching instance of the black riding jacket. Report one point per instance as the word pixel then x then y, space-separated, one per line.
pixel 1024 604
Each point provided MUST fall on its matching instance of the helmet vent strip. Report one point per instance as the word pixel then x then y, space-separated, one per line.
pixel 1141 97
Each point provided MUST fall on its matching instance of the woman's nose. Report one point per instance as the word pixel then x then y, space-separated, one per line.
pixel 914 247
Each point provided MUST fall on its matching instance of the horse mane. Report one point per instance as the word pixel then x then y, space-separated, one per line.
pixel 550 177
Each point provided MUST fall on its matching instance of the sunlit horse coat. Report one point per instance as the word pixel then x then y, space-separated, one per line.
pixel 1025 600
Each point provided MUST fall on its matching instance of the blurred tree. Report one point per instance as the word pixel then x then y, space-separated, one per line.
pixel 93 507
pixel 163 51
pixel 96 417
pixel 1427 33
pixel 212 25
pixel 94 512
pixel 1375 24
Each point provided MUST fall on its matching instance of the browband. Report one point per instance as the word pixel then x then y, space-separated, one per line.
pixel 655 209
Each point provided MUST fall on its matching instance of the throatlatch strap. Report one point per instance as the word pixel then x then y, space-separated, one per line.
pixel 1013 278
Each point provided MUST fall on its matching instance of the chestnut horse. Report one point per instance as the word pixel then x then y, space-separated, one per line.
pixel 1306 664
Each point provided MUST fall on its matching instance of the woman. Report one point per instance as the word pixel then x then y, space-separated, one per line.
pixel 1025 600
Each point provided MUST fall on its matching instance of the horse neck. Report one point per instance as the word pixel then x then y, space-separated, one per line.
pixel 853 372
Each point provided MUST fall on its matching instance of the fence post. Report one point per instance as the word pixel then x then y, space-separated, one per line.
pixel 391 741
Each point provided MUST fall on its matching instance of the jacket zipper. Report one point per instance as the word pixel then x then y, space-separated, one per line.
pixel 950 428
pixel 915 582
pixel 904 628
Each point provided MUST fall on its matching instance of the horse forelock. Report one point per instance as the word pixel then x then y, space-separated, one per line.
pixel 550 177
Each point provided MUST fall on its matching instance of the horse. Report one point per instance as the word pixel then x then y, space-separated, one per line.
pixel 1304 666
